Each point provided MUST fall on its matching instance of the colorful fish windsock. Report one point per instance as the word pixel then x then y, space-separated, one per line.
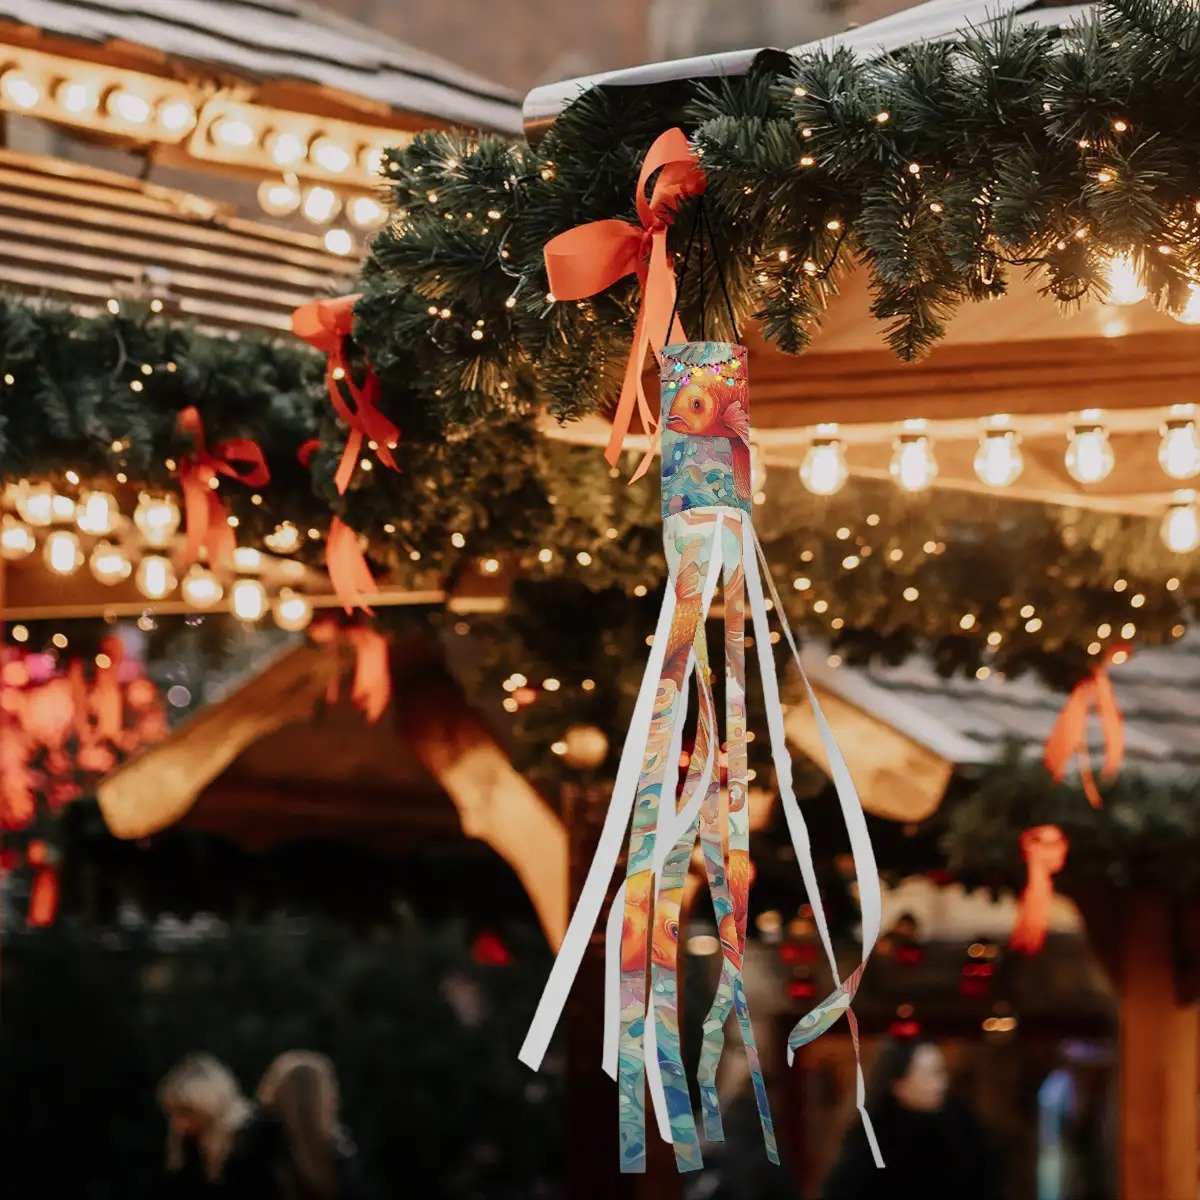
pixel 709 537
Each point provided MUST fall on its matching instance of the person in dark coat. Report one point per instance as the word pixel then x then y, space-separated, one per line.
pixel 931 1144
pixel 294 1147
pixel 205 1109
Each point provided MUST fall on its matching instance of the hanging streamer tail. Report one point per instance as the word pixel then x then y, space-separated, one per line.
pixel 696 558
pixel 728 866
pixel 825 1014
pixel 1044 848
pixel 347 568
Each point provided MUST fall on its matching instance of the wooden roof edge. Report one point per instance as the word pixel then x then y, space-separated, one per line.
pixel 158 786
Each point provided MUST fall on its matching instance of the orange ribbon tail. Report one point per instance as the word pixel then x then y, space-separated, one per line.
pixel 347 568
pixel 1044 848
pixel 371 688
pixel 43 895
pixel 589 258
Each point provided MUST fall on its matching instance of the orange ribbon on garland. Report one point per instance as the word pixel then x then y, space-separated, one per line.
pixel 1044 848
pixel 347 567
pixel 1068 738
pixel 43 895
pixel 589 258
pixel 325 325
pixel 207 523
pixel 371 687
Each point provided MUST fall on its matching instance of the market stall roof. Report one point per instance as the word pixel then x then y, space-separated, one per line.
pixel 274 43
pixel 87 236
pixel 273 760
pixel 969 722
pixel 933 21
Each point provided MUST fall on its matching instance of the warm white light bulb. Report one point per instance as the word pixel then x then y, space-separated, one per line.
pixel 999 461
pixel 201 588
pixel 284 538
pixel 247 559
pixel 913 466
pixel 16 539
pixel 128 106
pixel 320 205
pixel 155 577
pixel 1089 457
pixel 75 98
pixel 248 599
pixel 338 241
pixel 62 552
pixel 109 564
pixel 292 611
pixel 176 116
pixel 157 518
pixel 19 90
pixel 233 133
pixel 1181 526
pixel 329 155
pixel 366 212
pixel 97 513
pixel 278 199
pixel 35 503
pixel 286 149
pixel 823 470
pixel 1189 314
pixel 62 508
pixel 1124 283
pixel 1179 450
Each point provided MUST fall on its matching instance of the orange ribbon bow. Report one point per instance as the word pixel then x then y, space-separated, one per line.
pixel 1044 848
pixel 371 688
pixel 204 512
pixel 589 258
pixel 1068 738
pixel 325 325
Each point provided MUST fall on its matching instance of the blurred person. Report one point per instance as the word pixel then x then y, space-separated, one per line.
pixel 932 1146
pixel 294 1148
pixel 205 1109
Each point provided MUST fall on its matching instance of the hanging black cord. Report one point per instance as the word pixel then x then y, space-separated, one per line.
pixel 687 257
pixel 720 272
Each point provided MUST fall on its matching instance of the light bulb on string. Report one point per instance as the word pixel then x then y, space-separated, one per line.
pixel 109 564
pixel 1180 527
pixel 1124 283
pixel 823 470
pixel 248 599
pixel 62 552
pixel 16 539
pixel 155 577
pixel 1179 450
pixel 157 518
pixel 35 503
pixel 284 538
pixel 999 461
pixel 1089 457
pixel 913 465
pixel 278 198
pixel 320 205
pixel 18 89
pixel 97 513
pixel 62 508
pixel 201 588
pixel 292 611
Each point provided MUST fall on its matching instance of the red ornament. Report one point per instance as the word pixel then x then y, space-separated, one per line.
pixel 490 950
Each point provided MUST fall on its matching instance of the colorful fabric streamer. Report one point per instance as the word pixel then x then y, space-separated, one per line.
pixel 709 537
pixel 1044 848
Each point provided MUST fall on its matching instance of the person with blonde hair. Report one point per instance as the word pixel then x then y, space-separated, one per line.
pixel 205 1109
pixel 295 1147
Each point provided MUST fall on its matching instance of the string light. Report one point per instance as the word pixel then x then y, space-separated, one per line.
pixel 128 106
pixel 320 205
pixel 913 465
pixel 176 116
pixel 999 461
pixel 1089 457
pixel 18 89
pixel 35 503
pixel 329 155
pixel 277 198
pixel 823 470
pixel 16 539
pixel 292 611
pixel 1179 450
pixel 62 552
pixel 109 564
pixel 20 633
pixel 248 599
pixel 366 212
pixel 201 588
pixel 97 513
pixel 285 148
pixel 1180 527
pixel 157 518
pixel 283 539
pixel 74 98
pixel 155 577
pixel 233 132
pixel 339 241
pixel 1124 283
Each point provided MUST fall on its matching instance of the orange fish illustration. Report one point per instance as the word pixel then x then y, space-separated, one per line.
pixel 709 407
